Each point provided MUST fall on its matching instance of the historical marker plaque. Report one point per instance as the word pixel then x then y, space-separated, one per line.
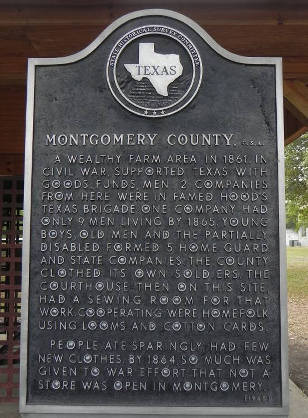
pixel 153 257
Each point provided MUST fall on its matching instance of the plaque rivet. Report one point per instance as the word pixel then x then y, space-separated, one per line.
pixel 230 261
pixel 193 247
pixel 99 286
pixel 215 300
pixel 187 273
pixel 53 234
pixel 54 286
pixel 87 358
pixel 118 385
pixel 187 386
pixel 224 386
pixel 208 184
pixel 193 359
pixel 176 326
pixel 139 273
pixel 70 345
pixel 233 222
pixel 250 313
pixel 149 171
pixel 90 312
pixel 118 247
pixel 215 313
pixel 59 196
pixel 152 326
pixel 182 287
pixel 84 234
pixel 92 325
pixel 122 259
pixel 56 184
pixel 103 325
pixel 145 208
pixel 188 208
pixel 100 312
pixel 176 300
pixel 54 311
pixel 165 372
pixel 163 300
pixel 201 326
pixel 67 184
pixel 55 384
pixel 45 221
pixel 243 372
pixel 95 371
pixel 61 272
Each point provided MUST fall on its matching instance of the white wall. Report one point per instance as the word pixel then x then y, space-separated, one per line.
pixel 293 235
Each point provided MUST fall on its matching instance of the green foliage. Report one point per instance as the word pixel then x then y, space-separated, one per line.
pixel 296 171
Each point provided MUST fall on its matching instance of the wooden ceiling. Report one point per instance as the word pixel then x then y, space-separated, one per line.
pixel 51 28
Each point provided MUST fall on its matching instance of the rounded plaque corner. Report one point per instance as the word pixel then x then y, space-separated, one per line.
pixel 83 53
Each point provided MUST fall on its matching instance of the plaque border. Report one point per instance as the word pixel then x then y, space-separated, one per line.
pixel 96 411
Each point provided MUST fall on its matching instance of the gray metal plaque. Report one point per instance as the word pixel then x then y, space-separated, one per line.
pixel 153 270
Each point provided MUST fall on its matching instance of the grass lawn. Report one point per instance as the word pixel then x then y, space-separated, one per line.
pixel 297 270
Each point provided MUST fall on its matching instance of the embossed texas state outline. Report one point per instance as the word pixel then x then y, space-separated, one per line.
pixel 159 69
